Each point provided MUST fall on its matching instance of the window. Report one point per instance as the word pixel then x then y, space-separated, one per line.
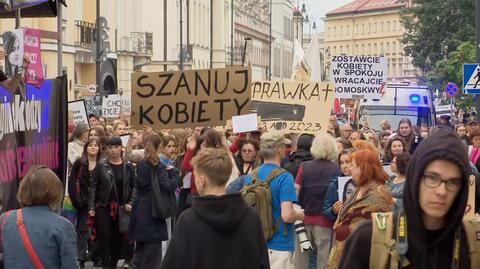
pixel 381 27
pixel 347 50
pixel 348 29
pixel 341 30
pixel 341 49
pixel 356 50
pixel 357 29
pixel 369 28
pixel 369 49
pixel 388 48
pixel 381 49
pixel 388 26
pixel 394 26
pixel 375 51
pixel 363 49
pixel 375 28
pixel 363 28
pixel 334 30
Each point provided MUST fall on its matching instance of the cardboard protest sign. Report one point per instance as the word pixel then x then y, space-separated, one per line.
pixel 94 105
pixel 31 46
pixel 111 105
pixel 78 110
pixel 345 188
pixel 244 123
pixel 295 107
pixel 470 209
pixel 126 103
pixel 190 98
pixel 359 77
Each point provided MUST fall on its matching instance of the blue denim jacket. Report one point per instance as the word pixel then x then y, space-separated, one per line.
pixel 51 235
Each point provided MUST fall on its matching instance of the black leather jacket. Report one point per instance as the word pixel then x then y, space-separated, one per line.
pixel 101 184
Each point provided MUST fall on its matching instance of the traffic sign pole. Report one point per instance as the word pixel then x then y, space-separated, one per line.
pixel 451 111
pixel 477 46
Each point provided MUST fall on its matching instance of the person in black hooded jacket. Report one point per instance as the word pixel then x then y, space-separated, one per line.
pixel 219 230
pixel 433 214
pixel 300 155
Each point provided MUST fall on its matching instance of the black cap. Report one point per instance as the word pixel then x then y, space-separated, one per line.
pixel 114 141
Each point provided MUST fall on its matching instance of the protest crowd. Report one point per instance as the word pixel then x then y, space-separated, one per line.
pixel 208 198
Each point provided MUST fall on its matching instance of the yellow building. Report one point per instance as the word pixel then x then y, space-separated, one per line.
pixel 370 27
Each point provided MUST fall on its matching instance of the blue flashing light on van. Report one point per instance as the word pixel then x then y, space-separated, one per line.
pixel 401 100
pixel 415 98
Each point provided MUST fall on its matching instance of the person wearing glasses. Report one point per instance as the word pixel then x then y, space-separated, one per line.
pixel 428 231
pixel 247 155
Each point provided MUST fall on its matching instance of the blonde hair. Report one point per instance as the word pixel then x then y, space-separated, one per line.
pixel 324 147
pixel 215 163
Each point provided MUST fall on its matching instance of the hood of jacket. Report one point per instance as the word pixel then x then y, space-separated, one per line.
pixel 442 145
pixel 222 213
pixel 301 155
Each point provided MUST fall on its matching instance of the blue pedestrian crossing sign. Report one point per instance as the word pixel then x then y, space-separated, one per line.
pixel 471 78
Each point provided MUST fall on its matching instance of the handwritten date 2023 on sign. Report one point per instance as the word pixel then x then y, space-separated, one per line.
pixel 293 106
pixel 190 98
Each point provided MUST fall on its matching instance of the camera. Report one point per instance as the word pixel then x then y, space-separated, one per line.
pixel 302 236
pixel 303 240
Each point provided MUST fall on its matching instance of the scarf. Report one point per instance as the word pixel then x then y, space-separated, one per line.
pixel 474 155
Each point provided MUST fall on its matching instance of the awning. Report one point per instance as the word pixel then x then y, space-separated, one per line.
pixel 29 8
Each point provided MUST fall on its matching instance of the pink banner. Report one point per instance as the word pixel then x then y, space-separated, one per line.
pixel 31 41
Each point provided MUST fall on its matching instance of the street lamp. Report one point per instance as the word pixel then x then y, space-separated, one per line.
pixel 245 50
pixel 304 10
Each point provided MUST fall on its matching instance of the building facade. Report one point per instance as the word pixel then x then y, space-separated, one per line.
pixel 251 31
pixel 370 27
pixel 140 36
pixel 283 36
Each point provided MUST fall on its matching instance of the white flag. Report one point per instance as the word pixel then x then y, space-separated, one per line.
pixel 298 55
pixel 312 60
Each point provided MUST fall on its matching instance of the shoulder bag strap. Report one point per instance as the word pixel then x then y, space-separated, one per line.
pixel 382 232
pixel 273 174
pixel 3 224
pixel 26 241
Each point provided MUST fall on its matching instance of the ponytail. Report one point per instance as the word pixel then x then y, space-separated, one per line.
pixel 151 146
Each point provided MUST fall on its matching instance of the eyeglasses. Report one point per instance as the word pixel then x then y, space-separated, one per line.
pixel 248 150
pixel 433 181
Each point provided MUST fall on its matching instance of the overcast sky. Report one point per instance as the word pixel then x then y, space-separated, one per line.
pixel 318 8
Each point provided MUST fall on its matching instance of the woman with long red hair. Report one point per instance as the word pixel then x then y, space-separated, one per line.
pixel 371 195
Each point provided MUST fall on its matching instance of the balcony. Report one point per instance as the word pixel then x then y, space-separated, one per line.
pixel 142 42
pixel 85 34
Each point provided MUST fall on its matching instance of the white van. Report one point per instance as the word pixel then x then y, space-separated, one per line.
pixel 401 100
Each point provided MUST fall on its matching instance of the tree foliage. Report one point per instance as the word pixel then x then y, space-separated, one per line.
pixel 440 38
pixel 435 28
pixel 451 70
